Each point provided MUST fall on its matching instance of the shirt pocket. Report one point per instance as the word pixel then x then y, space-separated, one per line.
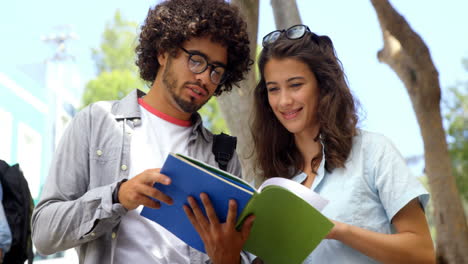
pixel 105 154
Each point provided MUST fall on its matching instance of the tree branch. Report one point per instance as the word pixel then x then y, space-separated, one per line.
pixel 236 106
pixel 398 27
pixel 286 13
pixel 407 54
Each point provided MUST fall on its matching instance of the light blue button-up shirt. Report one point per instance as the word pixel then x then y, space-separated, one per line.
pixel 374 185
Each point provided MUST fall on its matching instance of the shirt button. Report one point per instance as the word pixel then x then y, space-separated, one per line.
pixel 124 167
pixel 99 152
pixel 136 121
pixel 93 234
pixel 113 235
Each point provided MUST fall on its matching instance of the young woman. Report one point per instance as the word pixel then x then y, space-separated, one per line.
pixel 305 129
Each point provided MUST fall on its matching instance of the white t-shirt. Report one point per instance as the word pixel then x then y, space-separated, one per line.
pixel 141 240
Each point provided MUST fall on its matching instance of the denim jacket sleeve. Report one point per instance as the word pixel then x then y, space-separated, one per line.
pixel 71 211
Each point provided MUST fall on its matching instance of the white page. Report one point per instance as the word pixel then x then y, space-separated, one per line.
pixel 311 197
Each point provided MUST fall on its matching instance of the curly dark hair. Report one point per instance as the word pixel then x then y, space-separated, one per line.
pixel 275 149
pixel 171 23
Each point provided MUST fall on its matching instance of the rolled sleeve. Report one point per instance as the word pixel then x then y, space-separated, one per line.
pixel 72 223
pixel 395 183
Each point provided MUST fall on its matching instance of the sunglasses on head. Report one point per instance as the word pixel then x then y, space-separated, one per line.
pixel 294 32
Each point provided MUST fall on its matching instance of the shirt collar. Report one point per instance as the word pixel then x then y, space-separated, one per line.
pixel 198 127
pixel 128 108
pixel 320 172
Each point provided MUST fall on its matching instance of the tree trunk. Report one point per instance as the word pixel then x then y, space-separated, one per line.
pixel 286 13
pixel 407 54
pixel 236 106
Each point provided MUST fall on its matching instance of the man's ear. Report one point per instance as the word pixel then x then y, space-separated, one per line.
pixel 162 58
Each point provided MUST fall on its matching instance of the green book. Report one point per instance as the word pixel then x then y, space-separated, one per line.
pixel 288 224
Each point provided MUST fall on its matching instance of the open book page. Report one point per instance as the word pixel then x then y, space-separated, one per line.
pixel 288 223
pixel 311 197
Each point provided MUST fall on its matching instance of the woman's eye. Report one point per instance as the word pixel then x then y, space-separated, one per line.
pixel 296 85
pixel 272 89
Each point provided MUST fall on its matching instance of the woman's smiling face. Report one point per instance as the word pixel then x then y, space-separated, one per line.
pixel 293 93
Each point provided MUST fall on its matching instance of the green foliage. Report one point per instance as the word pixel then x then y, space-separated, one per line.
pixel 457 131
pixel 212 117
pixel 117 50
pixel 112 85
pixel 255 65
pixel 115 62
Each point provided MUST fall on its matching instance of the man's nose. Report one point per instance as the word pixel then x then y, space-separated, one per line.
pixel 204 77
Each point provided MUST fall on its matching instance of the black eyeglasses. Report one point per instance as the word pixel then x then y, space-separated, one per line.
pixel 198 63
pixel 294 32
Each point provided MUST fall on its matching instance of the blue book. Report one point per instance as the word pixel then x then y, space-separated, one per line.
pixel 191 177
pixel 288 224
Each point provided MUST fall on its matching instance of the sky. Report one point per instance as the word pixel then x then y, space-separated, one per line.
pixel 352 25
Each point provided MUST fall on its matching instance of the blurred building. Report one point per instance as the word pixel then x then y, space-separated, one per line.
pixel 37 102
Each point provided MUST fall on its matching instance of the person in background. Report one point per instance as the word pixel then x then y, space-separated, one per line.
pixel 305 129
pixel 5 233
pixel 107 161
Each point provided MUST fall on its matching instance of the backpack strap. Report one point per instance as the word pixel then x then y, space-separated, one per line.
pixel 223 149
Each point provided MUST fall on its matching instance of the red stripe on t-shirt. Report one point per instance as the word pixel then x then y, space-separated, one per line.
pixel 168 118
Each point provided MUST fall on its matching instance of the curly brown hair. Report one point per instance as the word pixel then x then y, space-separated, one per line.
pixel 274 146
pixel 171 23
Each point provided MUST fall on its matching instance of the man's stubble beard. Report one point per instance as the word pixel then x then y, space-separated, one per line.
pixel 171 85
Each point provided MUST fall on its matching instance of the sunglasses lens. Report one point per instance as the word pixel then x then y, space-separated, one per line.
pixel 272 37
pixel 296 32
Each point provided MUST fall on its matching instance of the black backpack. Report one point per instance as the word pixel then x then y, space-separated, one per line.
pixel 223 149
pixel 18 205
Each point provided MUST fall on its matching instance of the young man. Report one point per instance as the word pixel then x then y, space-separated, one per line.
pixel 106 163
